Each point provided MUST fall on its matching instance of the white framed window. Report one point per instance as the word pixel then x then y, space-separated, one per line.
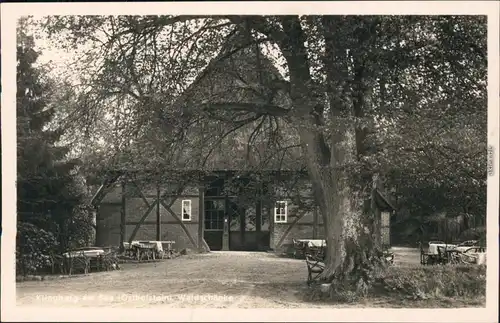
pixel 186 210
pixel 280 211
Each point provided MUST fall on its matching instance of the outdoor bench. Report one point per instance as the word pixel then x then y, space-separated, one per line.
pixel 315 267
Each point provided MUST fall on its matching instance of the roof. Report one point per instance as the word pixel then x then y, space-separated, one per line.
pixel 244 77
pixel 236 74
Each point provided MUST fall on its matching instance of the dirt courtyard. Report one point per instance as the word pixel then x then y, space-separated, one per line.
pixel 213 280
pixel 216 280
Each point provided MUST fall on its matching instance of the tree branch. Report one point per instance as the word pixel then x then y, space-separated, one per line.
pixel 224 136
pixel 260 24
pixel 259 108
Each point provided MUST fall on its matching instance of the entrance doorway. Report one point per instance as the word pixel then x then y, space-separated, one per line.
pixel 247 226
pixel 215 210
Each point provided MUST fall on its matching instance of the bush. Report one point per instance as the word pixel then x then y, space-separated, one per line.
pixel 33 249
pixel 475 234
pixel 434 281
pixel 80 229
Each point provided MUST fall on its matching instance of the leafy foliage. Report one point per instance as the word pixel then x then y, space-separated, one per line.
pixel 34 248
pixel 49 186
pixel 434 282
pixel 356 94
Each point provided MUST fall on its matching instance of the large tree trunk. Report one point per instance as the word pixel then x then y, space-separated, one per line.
pixel 344 204
pixel 348 216
pixel 345 207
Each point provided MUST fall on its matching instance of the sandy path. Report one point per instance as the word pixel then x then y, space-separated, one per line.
pixel 216 280
pixel 213 280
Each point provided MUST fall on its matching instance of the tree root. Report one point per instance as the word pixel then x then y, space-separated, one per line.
pixel 357 274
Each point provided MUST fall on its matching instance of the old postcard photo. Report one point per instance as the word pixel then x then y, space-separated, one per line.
pixel 170 161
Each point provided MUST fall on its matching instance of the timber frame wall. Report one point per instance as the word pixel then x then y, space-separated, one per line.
pixel 129 210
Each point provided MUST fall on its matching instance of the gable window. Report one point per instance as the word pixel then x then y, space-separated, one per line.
pixel 280 212
pixel 186 210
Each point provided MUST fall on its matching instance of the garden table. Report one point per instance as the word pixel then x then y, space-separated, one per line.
pixel 87 258
pixel 87 252
pixel 313 243
pixel 464 248
pixel 155 247
pixel 314 246
pixel 433 247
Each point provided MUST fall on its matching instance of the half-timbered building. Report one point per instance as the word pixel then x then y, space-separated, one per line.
pixel 236 200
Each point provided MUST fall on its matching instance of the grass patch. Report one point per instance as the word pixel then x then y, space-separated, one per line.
pixel 450 286
pixel 428 282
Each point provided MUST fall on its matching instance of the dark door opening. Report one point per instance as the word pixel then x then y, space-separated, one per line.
pixel 214 223
pixel 245 232
pixel 248 225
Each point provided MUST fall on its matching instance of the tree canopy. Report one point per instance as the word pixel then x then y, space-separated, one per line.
pixel 403 96
pixel 51 193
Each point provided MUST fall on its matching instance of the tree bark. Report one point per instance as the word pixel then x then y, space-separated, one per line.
pixel 346 209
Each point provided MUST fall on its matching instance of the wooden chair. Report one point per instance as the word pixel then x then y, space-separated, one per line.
pixel 130 250
pixel 79 262
pixel 389 256
pixel 320 253
pixel 315 251
pixel 468 257
pixel 425 257
pixel 57 264
pixel 443 256
pixel 315 267
pixel 299 249
pixel 148 253
pixel 475 249
pixel 168 250
pixel 109 261
pixel 135 252
pixel 454 257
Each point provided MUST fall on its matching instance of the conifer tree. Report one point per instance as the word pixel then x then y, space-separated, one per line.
pixel 46 190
